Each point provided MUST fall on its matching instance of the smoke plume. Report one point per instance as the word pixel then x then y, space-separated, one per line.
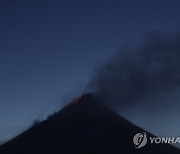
pixel 140 73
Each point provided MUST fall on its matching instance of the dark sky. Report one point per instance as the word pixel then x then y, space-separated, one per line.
pixel 49 49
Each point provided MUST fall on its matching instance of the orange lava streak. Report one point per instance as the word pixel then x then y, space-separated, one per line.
pixel 77 100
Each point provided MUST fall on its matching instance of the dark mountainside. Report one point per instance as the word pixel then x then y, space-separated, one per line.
pixel 83 127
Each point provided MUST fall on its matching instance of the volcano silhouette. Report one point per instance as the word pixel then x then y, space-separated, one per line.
pixel 85 126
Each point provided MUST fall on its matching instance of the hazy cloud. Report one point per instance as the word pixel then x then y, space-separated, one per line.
pixel 140 73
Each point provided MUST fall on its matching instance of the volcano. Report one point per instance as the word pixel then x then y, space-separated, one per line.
pixel 85 126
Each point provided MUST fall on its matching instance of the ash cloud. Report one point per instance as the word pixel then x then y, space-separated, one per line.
pixel 138 74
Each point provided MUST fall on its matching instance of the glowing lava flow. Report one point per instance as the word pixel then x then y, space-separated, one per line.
pixel 77 100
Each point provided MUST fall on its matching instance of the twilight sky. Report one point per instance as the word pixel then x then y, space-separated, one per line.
pixel 50 48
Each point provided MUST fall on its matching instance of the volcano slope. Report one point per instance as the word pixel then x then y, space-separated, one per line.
pixel 85 126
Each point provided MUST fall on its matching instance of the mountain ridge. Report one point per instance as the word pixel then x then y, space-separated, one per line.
pixel 84 126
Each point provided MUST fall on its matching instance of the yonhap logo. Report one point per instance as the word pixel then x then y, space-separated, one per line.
pixel 140 140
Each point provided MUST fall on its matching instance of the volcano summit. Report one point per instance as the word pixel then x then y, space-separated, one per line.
pixel 85 126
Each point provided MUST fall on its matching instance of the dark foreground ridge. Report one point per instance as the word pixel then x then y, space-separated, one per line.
pixel 85 126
